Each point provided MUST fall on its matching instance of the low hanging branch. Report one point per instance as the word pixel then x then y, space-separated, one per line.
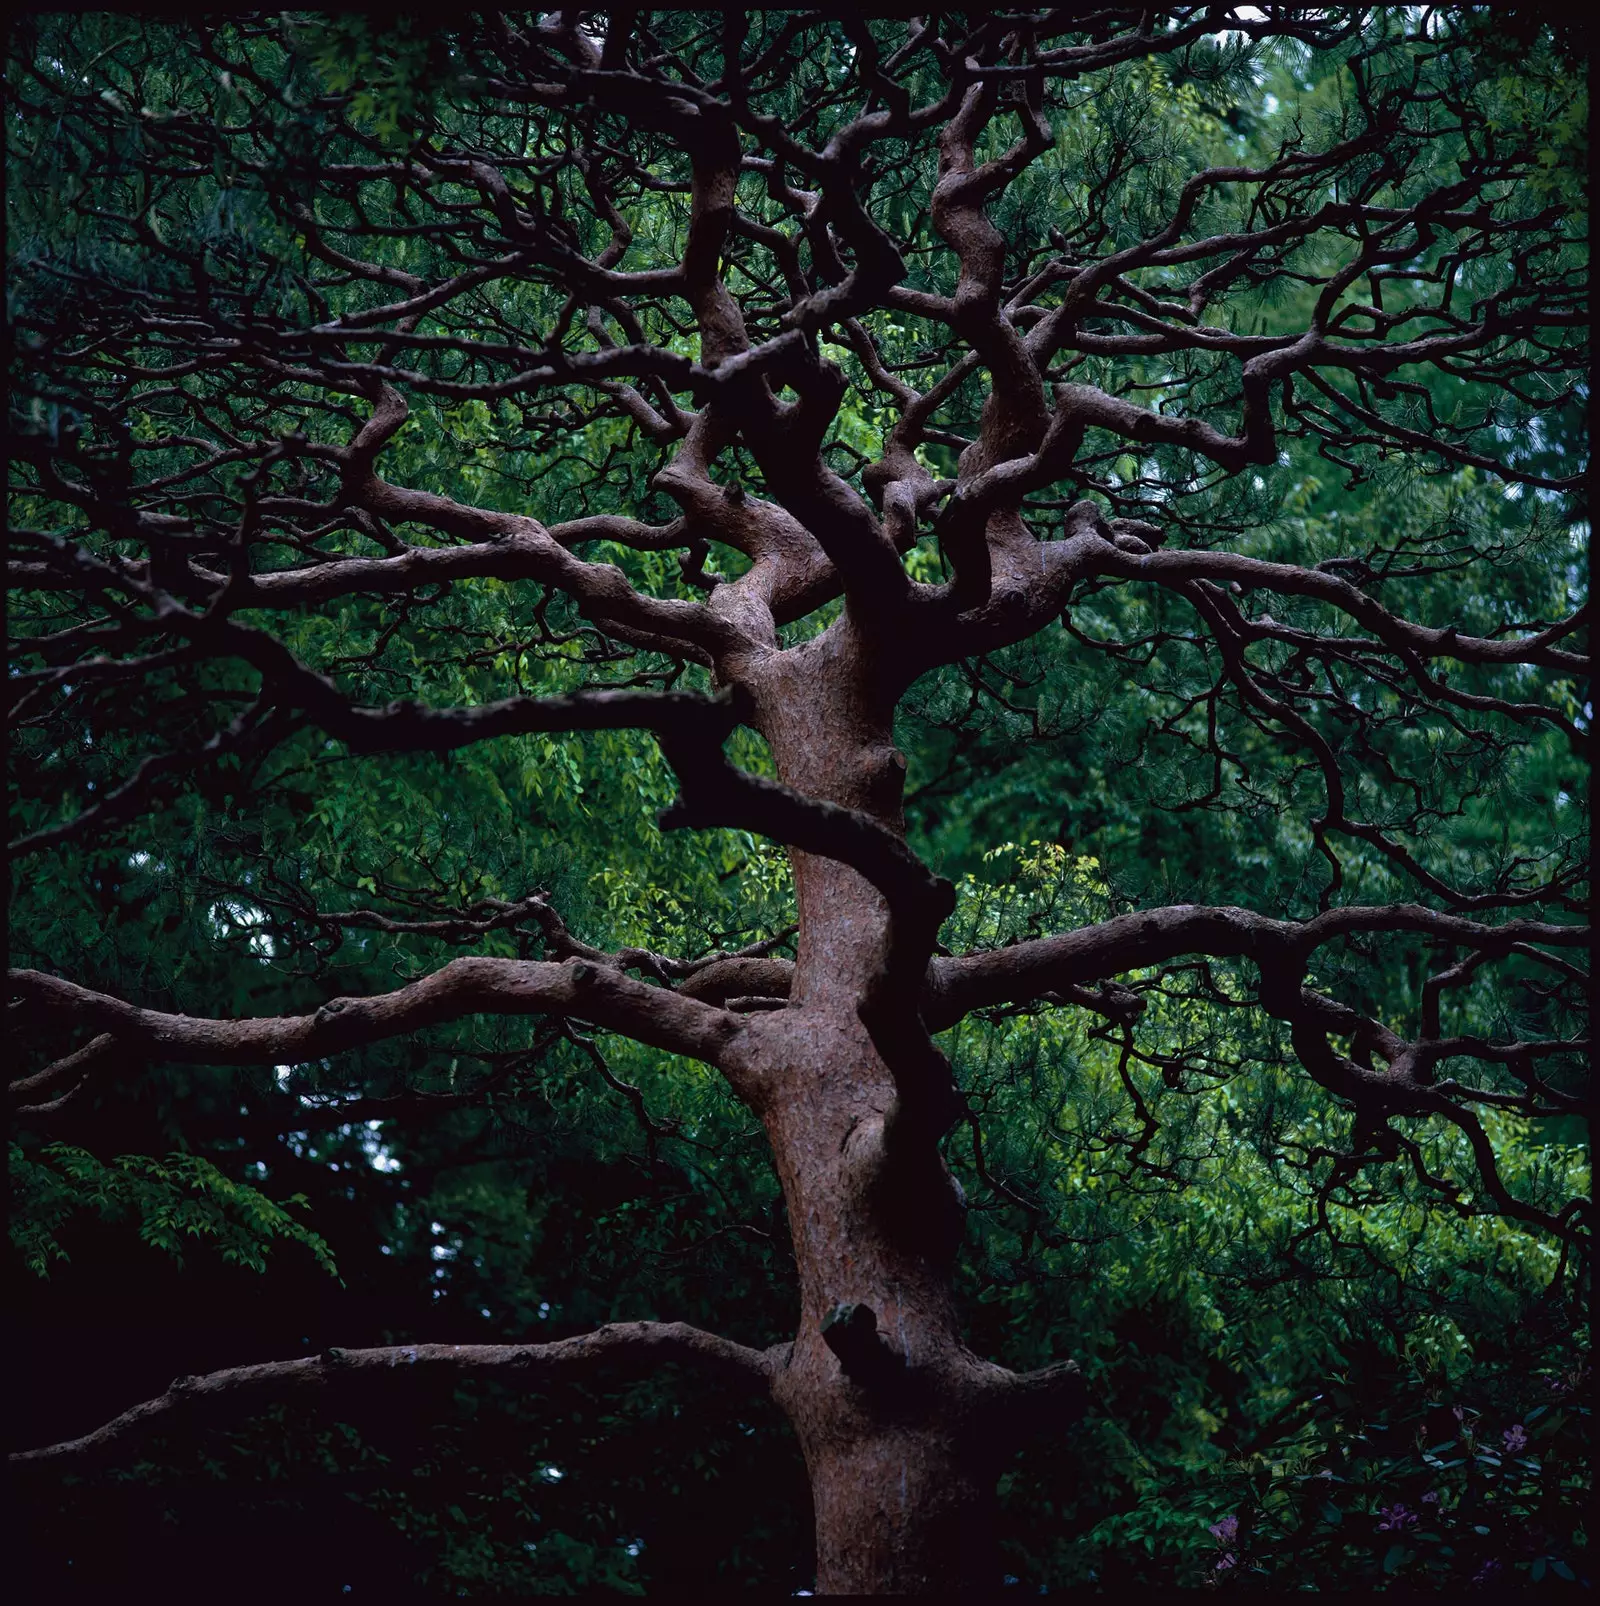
pixel 336 1376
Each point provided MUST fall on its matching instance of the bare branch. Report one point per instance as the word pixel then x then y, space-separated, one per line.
pixel 1151 937
pixel 468 986
pixel 623 1348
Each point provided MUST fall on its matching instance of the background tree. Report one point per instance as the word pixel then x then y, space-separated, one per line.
pixel 1133 458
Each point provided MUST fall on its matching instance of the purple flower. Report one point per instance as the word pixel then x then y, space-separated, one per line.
pixel 1225 1532
pixel 1396 1519
pixel 1486 1571
pixel 1515 1438
pixel 1431 1498
pixel 1225 1561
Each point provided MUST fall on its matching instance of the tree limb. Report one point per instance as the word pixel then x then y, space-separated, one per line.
pixel 629 1348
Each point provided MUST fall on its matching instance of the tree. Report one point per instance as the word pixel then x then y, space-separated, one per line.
pixel 754 383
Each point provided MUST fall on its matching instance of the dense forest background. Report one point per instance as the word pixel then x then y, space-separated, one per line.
pixel 1296 1377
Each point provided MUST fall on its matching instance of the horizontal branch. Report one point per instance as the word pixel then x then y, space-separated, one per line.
pixel 601 995
pixel 1287 579
pixel 1041 579
pixel 1028 970
pixel 680 1022
pixel 630 1347
pixel 410 726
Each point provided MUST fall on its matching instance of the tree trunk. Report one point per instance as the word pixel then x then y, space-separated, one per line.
pixel 891 1410
pixel 901 1512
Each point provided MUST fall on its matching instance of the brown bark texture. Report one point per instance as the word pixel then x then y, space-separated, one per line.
pixel 903 1428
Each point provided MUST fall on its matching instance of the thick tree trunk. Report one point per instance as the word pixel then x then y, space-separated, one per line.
pixel 901 1512
pixel 892 1412
pixel 890 1408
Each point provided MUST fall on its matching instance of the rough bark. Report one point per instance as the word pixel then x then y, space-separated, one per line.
pixel 886 1401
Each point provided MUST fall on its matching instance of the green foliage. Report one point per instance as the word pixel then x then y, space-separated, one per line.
pixel 183 1196
pixel 1426 1491
pixel 1248 1329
